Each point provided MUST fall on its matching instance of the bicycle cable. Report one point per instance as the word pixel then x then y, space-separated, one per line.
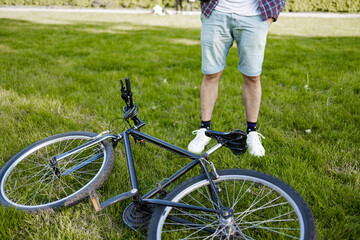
pixel 124 122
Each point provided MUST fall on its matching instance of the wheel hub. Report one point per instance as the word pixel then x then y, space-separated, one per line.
pixel 229 228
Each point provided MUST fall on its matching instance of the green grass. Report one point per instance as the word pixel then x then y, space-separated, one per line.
pixel 63 77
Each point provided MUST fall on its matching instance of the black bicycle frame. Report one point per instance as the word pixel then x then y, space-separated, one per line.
pixel 134 192
pixel 196 159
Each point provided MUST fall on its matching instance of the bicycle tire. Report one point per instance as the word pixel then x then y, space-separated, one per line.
pixel 27 182
pixel 264 208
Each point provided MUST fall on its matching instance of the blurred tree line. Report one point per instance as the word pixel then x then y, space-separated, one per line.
pixel 350 6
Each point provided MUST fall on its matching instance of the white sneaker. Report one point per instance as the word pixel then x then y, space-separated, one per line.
pixel 253 143
pixel 197 145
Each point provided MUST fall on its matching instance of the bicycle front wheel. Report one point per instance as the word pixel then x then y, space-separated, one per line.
pixel 28 182
pixel 262 207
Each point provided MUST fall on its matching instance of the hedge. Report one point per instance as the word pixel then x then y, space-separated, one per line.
pixel 349 6
pixel 91 3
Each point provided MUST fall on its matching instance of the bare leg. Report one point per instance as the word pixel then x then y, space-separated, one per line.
pixel 208 95
pixel 252 97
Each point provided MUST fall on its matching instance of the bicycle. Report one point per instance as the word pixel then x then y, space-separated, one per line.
pixel 64 169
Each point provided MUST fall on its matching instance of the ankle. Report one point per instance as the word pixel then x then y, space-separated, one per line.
pixel 251 127
pixel 205 124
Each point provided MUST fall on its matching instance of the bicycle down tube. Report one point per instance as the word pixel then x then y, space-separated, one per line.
pixel 196 160
pixel 134 192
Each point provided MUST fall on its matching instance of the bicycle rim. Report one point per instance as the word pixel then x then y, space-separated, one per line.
pixel 262 210
pixel 30 183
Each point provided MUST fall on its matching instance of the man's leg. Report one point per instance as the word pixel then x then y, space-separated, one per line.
pixel 250 34
pixel 252 100
pixel 252 97
pixel 216 40
pixel 208 95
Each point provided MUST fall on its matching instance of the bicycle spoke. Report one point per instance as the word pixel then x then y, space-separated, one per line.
pixel 196 216
pixel 260 212
pixel 36 193
pixel 237 198
pixel 200 229
pixel 33 175
pixel 260 208
pixel 202 205
pixel 275 219
pixel 227 194
pixel 281 233
pixel 254 203
pixel 214 205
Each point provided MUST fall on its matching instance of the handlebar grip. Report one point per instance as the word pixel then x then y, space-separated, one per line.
pixel 127 82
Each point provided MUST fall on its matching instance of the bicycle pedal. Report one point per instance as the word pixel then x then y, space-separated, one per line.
pixel 142 142
pixel 95 200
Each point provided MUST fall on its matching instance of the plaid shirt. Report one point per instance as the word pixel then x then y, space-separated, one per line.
pixel 269 8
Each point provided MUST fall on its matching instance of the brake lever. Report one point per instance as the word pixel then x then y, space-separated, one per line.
pixel 122 86
pixel 124 94
pixel 128 92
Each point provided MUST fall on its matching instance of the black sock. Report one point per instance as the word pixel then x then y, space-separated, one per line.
pixel 251 126
pixel 205 124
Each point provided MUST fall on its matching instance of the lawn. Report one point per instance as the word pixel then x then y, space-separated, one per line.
pixel 59 73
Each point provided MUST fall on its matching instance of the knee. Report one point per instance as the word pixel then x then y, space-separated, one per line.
pixel 251 80
pixel 212 77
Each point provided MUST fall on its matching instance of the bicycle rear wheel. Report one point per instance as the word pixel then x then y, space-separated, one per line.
pixel 263 207
pixel 27 181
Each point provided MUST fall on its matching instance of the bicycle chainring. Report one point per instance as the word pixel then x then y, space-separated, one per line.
pixel 136 218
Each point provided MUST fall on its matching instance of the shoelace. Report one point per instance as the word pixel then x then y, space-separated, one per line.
pixel 196 131
pixel 259 135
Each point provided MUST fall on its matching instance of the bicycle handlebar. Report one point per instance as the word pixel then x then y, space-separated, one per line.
pixel 126 93
pixel 130 110
pixel 127 82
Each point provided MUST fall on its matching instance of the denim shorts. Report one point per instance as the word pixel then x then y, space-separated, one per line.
pixel 218 33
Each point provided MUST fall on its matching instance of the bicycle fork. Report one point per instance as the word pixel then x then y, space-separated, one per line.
pixel 211 176
pixel 225 214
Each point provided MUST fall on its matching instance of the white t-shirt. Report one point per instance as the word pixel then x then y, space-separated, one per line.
pixel 241 7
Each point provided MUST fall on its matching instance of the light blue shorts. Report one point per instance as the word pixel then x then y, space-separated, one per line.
pixel 218 33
